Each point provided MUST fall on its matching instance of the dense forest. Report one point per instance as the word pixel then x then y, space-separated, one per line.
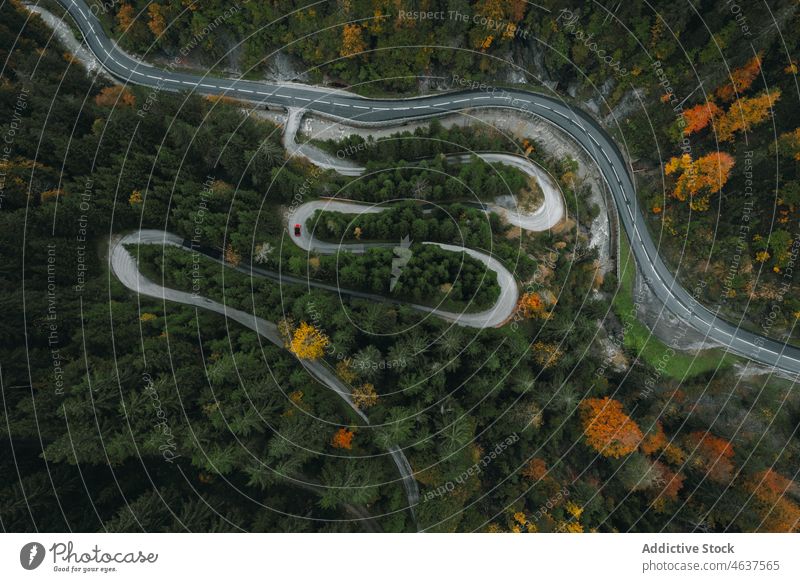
pixel 348 41
pixel 122 413
pixel 462 225
pixel 701 80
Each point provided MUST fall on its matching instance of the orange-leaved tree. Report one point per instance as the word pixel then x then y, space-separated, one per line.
pixel 125 17
pixel 157 22
pixel 712 454
pixel 342 439
pixel 668 482
pixel 352 41
pixel 741 79
pixel 773 493
pixel 232 256
pixel 535 470
pixel 608 429
pixel 699 116
pixel 507 12
pixel 308 342
pixel 115 96
pixel 655 440
pixel 530 305
pixel 746 112
pixel 698 179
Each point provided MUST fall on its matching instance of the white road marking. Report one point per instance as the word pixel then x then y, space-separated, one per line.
pixel 134 69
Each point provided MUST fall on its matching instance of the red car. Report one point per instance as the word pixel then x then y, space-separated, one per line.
pixel 296 230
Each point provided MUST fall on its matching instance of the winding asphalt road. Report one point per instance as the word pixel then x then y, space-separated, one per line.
pixel 550 212
pixel 353 109
pixel 125 268
pixel 495 316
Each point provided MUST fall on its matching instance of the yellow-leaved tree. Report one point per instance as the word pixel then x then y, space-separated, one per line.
pixel 352 41
pixel 789 143
pixel 746 112
pixel 365 396
pixel 308 342
pixel 546 354
pixel 698 179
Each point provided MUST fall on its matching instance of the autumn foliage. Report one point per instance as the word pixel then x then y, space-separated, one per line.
pixel 115 96
pixel 508 12
pixel 125 17
pixel 546 354
pixel 697 179
pixel 774 495
pixel 308 342
pixel 535 470
pixel 655 441
pixel 342 439
pixel 699 116
pixel 365 396
pixel 53 194
pixel 352 41
pixel 713 455
pixel 669 483
pixel 157 22
pixel 745 113
pixel 530 305
pixel 135 197
pixel 789 143
pixel 608 429
pixel 741 79
pixel 232 256
pixel 345 371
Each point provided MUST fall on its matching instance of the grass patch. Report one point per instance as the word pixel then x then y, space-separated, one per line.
pixel 641 342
